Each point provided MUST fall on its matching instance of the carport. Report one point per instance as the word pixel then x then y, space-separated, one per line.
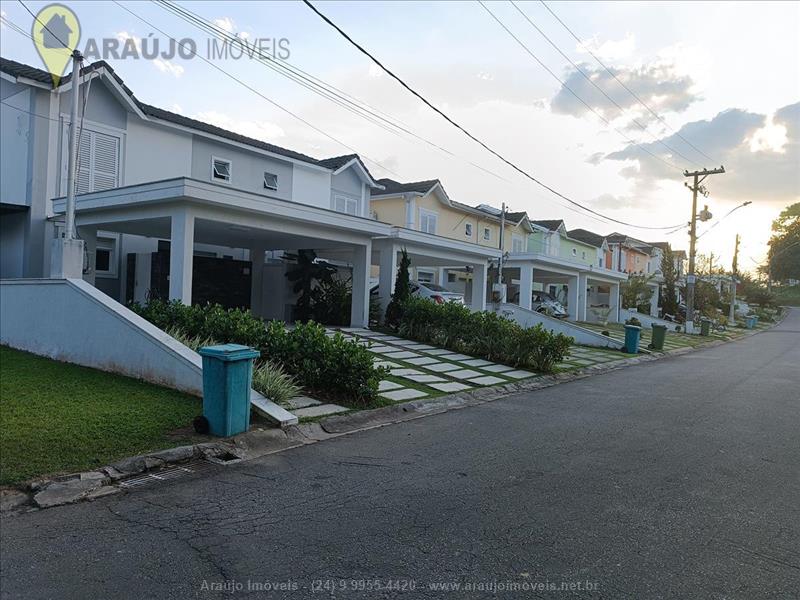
pixel 188 212
pixel 535 268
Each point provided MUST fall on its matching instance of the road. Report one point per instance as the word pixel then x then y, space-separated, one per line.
pixel 678 478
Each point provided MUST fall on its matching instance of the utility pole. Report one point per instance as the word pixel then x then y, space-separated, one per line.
pixel 698 178
pixel 501 288
pixel 66 257
pixel 734 270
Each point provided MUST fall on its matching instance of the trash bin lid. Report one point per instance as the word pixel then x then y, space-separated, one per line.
pixel 229 352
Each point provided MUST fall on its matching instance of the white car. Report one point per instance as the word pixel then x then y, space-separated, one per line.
pixel 434 292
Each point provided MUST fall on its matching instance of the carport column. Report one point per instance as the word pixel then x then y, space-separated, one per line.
pixel 654 300
pixel 583 295
pixel 572 297
pixel 387 275
pixel 359 312
pixel 89 237
pixel 479 274
pixel 525 285
pixel 181 254
pixel 613 303
pixel 257 279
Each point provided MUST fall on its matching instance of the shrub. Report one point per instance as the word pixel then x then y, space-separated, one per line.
pixel 402 291
pixel 484 334
pixel 329 367
pixel 633 321
pixel 271 381
pixel 331 302
pixel 192 342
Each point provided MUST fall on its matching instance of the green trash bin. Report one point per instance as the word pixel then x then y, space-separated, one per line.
pixel 705 327
pixel 659 335
pixel 227 377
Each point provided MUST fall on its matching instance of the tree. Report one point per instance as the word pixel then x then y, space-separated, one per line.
pixel 784 245
pixel 636 292
pixel 402 291
pixel 669 301
pixel 706 298
pixel 304 275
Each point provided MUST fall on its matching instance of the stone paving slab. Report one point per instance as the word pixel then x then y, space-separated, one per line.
pixel 450 386
pixel 302 402
pixel 403 354
pixel 463 374
pixel 425 378
pixel 381 349
pixel 422 360
pixel 437 351
pixel 487 380
pixel 386 385
pixel 404 394
pixel 404 372
pixel 442 367
pixel 426 347
pixel 320 410
pixel 497 368
pixel 476 362
pixel 518 374
pixel 456 356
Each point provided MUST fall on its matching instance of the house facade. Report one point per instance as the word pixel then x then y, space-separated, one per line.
pixel 171 207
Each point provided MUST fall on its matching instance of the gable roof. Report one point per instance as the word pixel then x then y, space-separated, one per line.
pixel 20 70
pixel 550 224
pixel 587 237
pixel 395 187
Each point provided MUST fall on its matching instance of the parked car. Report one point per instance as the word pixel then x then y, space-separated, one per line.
pixel 545 303
pixel 434 292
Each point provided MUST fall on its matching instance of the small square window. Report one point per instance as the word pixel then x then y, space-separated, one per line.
pixel 221 170
pixel 452 277
pixel 102 260
pixel 105 257
pixel 344 204
pixel 487 233
pixel 270 181
pixel 574 252
pixel 583 255
pixel 468 229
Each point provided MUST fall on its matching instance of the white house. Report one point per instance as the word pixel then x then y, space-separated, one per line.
pixel 173 207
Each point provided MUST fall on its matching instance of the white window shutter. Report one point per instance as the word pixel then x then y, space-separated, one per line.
pixel 84 163
pixel 106 161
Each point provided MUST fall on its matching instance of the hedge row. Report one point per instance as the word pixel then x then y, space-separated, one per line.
pixel 328 367
pixel 484 334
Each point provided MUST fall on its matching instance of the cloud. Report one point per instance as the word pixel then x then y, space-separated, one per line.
pixel 225 23
pixel 166 66
pixel 659 85
pixel 761 154
pixel 610 49
pixel 260 130
pixel 614 202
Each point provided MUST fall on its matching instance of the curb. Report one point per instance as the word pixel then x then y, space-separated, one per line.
pixel 91 485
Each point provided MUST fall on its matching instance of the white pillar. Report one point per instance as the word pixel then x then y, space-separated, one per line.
pixel 572 298
pixel 479 279
pixel 181 254
pixel 583 296
pixel 387 275
pixel 525 285
pixel 362 262
pixel 257 279
pixel 613 303
pixel 89 237
pixel 654 301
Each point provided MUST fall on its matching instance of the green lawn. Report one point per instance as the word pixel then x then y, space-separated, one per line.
pixel 57 418
pixel 788 296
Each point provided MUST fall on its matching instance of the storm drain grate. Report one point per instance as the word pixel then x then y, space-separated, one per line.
pixel 167 474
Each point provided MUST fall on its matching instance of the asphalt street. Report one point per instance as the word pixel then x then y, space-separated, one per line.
pixel 678 478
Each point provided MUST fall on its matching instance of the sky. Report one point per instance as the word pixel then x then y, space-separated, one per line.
pixel 723 79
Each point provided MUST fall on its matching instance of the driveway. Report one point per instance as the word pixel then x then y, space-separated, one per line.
pixel 678 478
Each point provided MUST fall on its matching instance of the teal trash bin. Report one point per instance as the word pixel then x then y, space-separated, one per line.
pixel 705 327
pixel 750 322
pixel 227 377
pixel 632 335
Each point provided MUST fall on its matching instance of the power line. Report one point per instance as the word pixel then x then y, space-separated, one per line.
pixel 622 83
pixel 316 85
pixel 593 83
pixel 722 219
pixel 50 31
pixel 465 131
pixel 588 106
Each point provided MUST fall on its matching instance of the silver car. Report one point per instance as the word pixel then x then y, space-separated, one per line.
pixel 434 292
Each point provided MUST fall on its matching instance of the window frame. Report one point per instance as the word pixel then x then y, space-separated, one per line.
pixel 427 273
pixel 487 230
pixel 214 179
pixel 109 242
pixel 468 230
pixel 347 199
pixel 428 214
pixel 518 239
pixel 267 187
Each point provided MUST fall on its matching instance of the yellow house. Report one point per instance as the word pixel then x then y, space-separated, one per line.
pixel 425 206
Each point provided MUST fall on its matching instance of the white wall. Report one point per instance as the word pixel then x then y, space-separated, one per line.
pixel 12 243
pixel 91 329
pixel 15 129
pixel 311 186
pixel 153 153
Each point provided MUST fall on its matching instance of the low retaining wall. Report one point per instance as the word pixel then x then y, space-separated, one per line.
pixel 72 321
pixel 645 319
pixel 530 318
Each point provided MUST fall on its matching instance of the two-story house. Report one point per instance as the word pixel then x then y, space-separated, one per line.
pixel 174 207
